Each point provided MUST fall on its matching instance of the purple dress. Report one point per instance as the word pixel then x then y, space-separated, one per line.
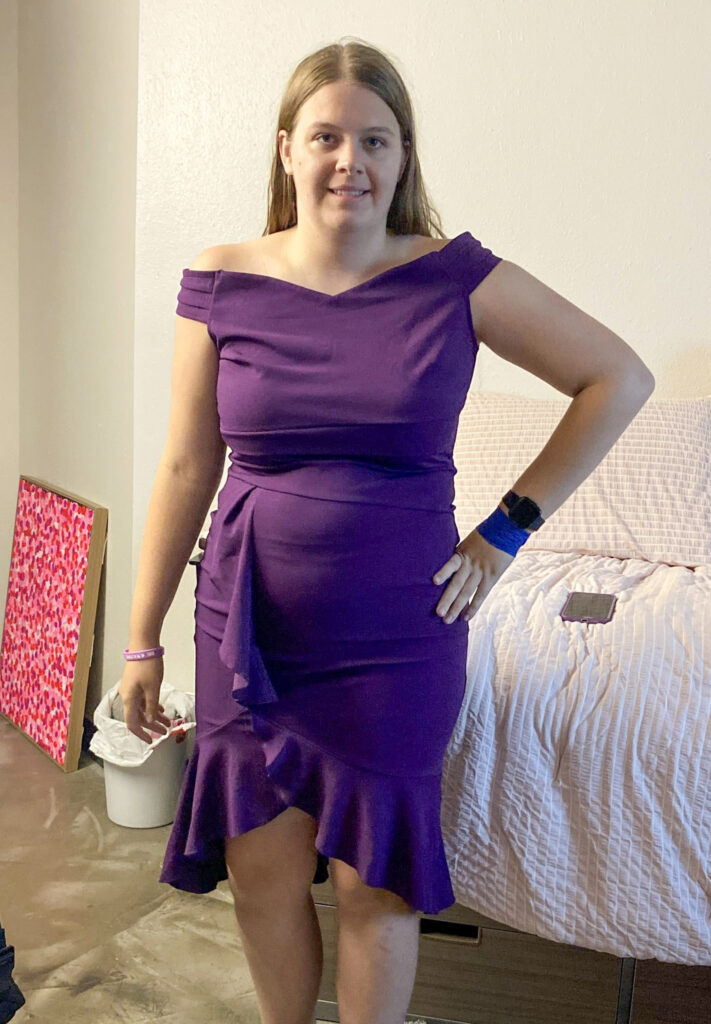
pixel 324 677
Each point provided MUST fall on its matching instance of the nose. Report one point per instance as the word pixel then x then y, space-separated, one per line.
pixel 347 157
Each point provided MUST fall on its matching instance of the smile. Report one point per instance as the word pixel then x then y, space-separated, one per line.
pixel 349 195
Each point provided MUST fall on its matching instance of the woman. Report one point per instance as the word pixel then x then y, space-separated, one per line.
pixel 333 355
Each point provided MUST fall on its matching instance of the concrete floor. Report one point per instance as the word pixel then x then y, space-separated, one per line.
pixel 97 938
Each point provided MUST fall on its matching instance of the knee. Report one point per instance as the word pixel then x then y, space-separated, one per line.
pixel 260 884
pixel 262 873
pixel 353 894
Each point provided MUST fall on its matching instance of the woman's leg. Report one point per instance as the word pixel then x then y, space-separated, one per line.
pixel 378 941
pixel 270 871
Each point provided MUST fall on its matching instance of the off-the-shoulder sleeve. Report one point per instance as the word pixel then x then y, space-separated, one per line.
pixel 468 261
pixel 195 295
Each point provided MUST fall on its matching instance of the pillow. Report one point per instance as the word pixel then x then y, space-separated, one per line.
pixel 648 498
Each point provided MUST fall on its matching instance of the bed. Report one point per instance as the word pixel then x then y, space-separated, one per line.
pixel 576 793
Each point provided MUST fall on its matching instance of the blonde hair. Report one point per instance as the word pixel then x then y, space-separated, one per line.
pixel 410 211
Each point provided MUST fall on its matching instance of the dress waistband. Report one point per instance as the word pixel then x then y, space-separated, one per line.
pixel 425 487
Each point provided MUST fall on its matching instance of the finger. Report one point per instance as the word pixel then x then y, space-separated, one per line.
pixel 478 599
pixel 150 730
pixel 137 722
pixel 460 601
pixel 157 724
pixel 451 565
pixel 155 713
pixel 139 731
pixel 160 716
pixel 473 600
pixel 457 596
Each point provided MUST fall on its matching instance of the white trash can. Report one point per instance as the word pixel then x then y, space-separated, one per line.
pixel 143 780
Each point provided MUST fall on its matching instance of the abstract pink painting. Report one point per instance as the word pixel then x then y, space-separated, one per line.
pixel 55 568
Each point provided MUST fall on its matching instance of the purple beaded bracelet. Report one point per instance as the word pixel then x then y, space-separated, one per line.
pixel 150 652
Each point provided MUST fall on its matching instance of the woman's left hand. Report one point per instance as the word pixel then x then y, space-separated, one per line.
pixel 475 567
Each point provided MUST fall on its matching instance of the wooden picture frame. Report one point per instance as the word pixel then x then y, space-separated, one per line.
pixel 58 547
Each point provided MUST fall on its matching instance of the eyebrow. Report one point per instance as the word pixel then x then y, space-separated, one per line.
pixel 327 124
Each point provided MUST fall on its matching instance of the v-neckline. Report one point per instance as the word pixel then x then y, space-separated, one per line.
pixel 346 291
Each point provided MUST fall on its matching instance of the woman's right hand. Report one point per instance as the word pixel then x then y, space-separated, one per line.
pixel 139 690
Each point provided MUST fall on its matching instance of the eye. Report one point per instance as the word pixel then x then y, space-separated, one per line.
pixel 375 138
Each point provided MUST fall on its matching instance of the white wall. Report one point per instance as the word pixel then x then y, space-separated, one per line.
pixel 571 138
pixel 9 289
pixel 69 272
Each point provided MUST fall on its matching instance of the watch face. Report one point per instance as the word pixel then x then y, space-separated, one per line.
pixel 524 512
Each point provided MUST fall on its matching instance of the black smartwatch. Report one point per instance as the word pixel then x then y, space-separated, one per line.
pixel 524 512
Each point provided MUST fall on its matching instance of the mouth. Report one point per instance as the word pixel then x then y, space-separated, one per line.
pixel 351 196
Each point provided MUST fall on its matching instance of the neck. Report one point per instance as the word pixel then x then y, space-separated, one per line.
pixel 336 254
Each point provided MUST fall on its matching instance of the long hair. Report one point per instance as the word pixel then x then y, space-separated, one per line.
pixel 410 211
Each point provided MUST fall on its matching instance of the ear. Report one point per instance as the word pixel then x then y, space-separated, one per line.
pixel 284 149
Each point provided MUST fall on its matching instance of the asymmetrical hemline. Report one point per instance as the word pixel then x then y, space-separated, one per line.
pixel 348 806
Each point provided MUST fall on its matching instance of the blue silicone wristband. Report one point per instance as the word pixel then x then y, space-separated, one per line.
pixel 502 533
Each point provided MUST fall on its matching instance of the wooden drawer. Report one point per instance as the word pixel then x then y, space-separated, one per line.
pixel 671 993
pixel 489 975
pixel 475 970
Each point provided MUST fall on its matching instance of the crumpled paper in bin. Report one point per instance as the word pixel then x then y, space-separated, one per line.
pixel 112 739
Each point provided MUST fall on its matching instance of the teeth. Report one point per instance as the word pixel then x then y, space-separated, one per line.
pixel 347 192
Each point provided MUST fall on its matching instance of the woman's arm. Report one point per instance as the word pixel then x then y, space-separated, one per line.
pixel 529 324
pixel 587 431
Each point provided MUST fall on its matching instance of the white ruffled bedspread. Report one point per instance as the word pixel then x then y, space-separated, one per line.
pixel 577 783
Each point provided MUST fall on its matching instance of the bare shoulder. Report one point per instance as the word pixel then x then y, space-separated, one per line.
pixel 432 244
pixel 215 257
pixel 252 254
pixel 411 247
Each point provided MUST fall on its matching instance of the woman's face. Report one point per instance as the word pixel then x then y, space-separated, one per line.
pixel 344 135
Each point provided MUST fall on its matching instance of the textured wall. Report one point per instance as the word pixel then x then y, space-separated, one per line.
pixel 572 139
